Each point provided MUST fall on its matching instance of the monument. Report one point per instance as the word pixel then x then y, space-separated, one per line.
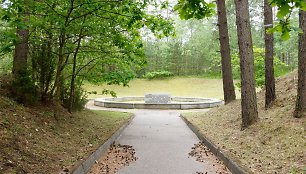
pixel 157 98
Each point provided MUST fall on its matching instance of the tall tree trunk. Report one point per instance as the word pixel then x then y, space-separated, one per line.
pixel 22 48
pixel 72 84
pixel 269 52
pixel 248 92
pixel 58 81
pixel 228 84
pixel 300 109
pixel 74 75
pixel 56 90
pixel 21 51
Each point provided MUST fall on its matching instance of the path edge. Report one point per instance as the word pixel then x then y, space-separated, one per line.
pixel 233 165
pixel 85 166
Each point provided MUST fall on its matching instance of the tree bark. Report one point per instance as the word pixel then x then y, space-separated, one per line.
pixel 269 52
pixel 74 75
pixel 56 90
pixel 248 92
pixel 300 108
pixel 21 51
pixel 228 84
pixel 58 81
pixel 72 83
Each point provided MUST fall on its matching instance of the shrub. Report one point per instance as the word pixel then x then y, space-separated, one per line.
pixel 158 75
pixel 6 64
pixel 23 88
pixel 259 64
pixel 79 96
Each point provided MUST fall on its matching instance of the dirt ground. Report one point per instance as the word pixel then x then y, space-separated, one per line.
pixel 274 145
pixel 211 163
pixel 48 139
pixel 115 158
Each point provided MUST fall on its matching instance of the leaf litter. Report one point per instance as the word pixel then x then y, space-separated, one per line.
pixel 211 164
pixel 114 159
pixel 274 145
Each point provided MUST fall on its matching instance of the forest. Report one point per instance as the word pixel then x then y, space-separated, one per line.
pixel 59 44
pixel 195 50
pixel 52 50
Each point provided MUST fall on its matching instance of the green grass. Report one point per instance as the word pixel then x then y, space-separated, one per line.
pixel 100 125
pixel 177 86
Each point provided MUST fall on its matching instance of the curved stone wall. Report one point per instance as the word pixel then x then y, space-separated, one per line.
pixel 179 103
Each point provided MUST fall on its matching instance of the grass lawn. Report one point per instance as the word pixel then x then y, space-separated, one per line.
pixel 178 86
pixel 47 139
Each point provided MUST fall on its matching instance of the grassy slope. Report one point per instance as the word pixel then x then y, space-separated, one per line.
pixel 178 86
pixel 47 139
pixel 276 144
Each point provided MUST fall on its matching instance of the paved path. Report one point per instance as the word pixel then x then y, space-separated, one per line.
pixel 162 142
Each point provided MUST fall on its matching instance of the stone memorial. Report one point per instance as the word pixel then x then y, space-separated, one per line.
pixel 157 98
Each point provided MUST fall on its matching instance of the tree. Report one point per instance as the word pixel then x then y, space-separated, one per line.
pixel 248 92
pixel 228 85
pixel 72 41
pixel 21 51
pixel 285 10
pixel 300 108
pixel 269 52
pixel 21 48
pixel 201 9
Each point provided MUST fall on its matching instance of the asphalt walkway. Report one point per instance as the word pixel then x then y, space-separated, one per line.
pixel 162 142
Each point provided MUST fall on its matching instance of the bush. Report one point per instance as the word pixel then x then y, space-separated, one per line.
pixel 6 64
pixel 23 88
pixel 158 75
pixel 79 99
pixel 259 64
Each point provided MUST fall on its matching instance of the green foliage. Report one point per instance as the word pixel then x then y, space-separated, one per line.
pixel 111 92
pixel 92 92
pixel 285 9
pixel 259 64
pixel 6 64
pixel 158 75
pixel 214 69
pixel 160 27
pixel 189 53
pixel 79 98
pixel 282 27
pixel 112 76
pixel 97 41
pixel 194 9
pixel 23 87
pixel 43 67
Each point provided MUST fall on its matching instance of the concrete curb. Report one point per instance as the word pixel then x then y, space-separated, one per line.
pixel 86 165
pixel 228 162
pixel 193 103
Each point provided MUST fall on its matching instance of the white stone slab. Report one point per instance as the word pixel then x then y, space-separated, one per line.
pixel 157 98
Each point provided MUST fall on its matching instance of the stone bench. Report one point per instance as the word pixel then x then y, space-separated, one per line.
pixel 157 98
